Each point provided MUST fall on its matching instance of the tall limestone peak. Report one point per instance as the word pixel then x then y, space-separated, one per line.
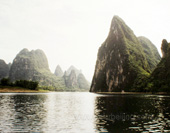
pixel 4 69
pixel 119 30
pixel 33 65
pixel 160 78
pixel 152 55
pixel 58 71
pixel 121 60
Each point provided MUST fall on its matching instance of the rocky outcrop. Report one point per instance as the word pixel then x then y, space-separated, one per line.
pixel 4 69
pixel 58 71
pixel 33 65
pixel 74 79
pixel 121 62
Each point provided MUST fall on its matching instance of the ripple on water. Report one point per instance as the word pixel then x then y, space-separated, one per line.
pixel 83 112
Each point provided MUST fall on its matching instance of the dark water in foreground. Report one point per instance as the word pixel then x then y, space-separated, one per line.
pixel 73 112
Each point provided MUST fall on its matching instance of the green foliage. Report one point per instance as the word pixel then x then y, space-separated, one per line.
pixel 26 84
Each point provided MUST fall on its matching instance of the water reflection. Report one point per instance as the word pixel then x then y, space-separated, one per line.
pixel 52 112
pixel 133 113
pixel 64 112
pixel 21 113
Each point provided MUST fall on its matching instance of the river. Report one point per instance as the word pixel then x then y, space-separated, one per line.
pixel 83 112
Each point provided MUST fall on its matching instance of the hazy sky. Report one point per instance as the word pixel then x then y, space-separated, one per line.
pixel 71 31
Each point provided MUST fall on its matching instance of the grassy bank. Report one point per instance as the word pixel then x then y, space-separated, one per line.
pixel 9 89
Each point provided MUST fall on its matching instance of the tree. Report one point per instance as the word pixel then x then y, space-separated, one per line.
pixel 5 82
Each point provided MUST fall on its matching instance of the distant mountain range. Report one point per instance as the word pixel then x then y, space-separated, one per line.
pixel 125 62
pixel 33 65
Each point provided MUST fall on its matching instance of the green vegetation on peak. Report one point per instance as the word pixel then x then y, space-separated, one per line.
pixel 33 65
pixel 122 63
pixel 150 51
pixel 120 30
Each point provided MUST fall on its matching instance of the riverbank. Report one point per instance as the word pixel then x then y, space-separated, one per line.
pixel 133 93
pixel 20 90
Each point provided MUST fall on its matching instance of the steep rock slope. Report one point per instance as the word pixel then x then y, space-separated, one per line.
pixel 150 51
pixel 121 63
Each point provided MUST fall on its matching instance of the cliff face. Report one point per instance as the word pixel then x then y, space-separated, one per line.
pixel 160 78
pixel 33 65
pixel 121 61
pixel 4 69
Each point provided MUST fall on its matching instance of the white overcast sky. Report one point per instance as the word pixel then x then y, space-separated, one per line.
pixel 71 31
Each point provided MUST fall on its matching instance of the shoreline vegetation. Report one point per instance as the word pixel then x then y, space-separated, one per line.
pixel 25 86
pixel 9 89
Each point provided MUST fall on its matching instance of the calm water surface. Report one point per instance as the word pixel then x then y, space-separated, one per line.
pixel 84 112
